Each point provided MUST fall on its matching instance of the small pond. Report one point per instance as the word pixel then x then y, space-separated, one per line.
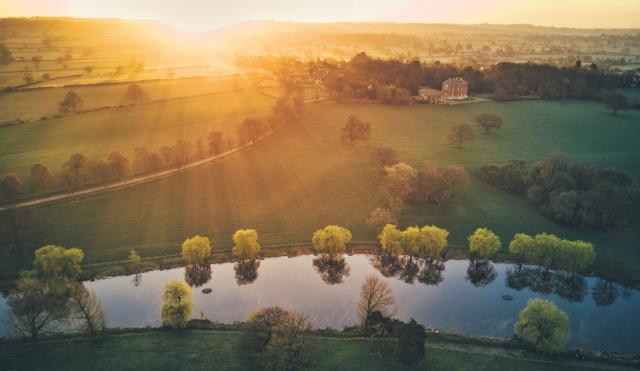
pixel 467 297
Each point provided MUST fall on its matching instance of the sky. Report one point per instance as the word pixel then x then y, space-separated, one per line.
pixel 204 15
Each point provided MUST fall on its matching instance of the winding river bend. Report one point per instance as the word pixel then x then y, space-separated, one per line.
pixel 468 297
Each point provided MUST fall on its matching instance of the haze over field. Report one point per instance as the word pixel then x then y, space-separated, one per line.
pixel 204 15
pixel 319 185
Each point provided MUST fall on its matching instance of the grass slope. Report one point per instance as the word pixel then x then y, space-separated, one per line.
pixel 34 104
pixel 98 133
pixel 217 350
pixel 304 178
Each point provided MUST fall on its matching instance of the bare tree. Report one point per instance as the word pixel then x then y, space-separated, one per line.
pixel 375 296
pixel 87 307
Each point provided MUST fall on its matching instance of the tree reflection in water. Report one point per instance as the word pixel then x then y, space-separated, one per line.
pixel 408 269
pixel 197 275
pixel 332 270
pixel 481 272
pixel 246 271
pixel 137 279
pixel 571 286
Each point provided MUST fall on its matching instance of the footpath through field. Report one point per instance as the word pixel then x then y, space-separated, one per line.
pixel 139 179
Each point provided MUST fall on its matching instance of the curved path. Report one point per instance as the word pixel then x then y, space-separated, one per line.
pixel 135 180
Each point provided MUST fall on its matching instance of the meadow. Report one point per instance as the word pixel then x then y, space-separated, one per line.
pixel 304 178
pixel 33 104
pixel 217 350
pixel 51 142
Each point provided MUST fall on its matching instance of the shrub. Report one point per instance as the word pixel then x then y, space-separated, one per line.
pixel 484 243
pixel 544 325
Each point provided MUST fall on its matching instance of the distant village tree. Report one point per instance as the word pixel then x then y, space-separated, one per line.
pixel 176 304
pixel 489 122
pixel 460 134
pixel 71 103
pixel 136 95
pixel 616 102
pixel 355 130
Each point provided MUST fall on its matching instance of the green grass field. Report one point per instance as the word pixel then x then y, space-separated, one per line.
pixel 153 125
pixel 304 178
pixel 34 104
pixel 217 350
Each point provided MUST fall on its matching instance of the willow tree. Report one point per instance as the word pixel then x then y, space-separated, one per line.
pixel 177 305
pixel 484 243
pixel 331 240
pixel 245 244
pixel 391 240
pixel 434 241
pixel 544 325
pixel 196 250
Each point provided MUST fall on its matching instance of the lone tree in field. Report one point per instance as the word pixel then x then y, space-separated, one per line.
pixel 136 95
pixel 460 134
pixel 245 244
pixel 544 325
pixel 355 130
pixel 177 305
pixel 11 187
pixel 484 243
pixel 71 103
pixel 5 55
pixel 489 122
pixel 616 102
pixel 331 240
pixel 375 296
pixel 196 250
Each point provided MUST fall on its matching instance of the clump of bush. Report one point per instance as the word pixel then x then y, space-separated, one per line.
pixel 428 241
pixel 551 251
pixel 577 194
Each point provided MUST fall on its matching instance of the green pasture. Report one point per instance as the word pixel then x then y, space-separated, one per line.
pixel 304 178
pixel 218 350
pixel 153 125
pixel 37 103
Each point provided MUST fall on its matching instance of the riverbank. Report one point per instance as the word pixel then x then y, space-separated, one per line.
pixel 207 346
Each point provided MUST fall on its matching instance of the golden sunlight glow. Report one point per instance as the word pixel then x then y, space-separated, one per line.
pixel 203 15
